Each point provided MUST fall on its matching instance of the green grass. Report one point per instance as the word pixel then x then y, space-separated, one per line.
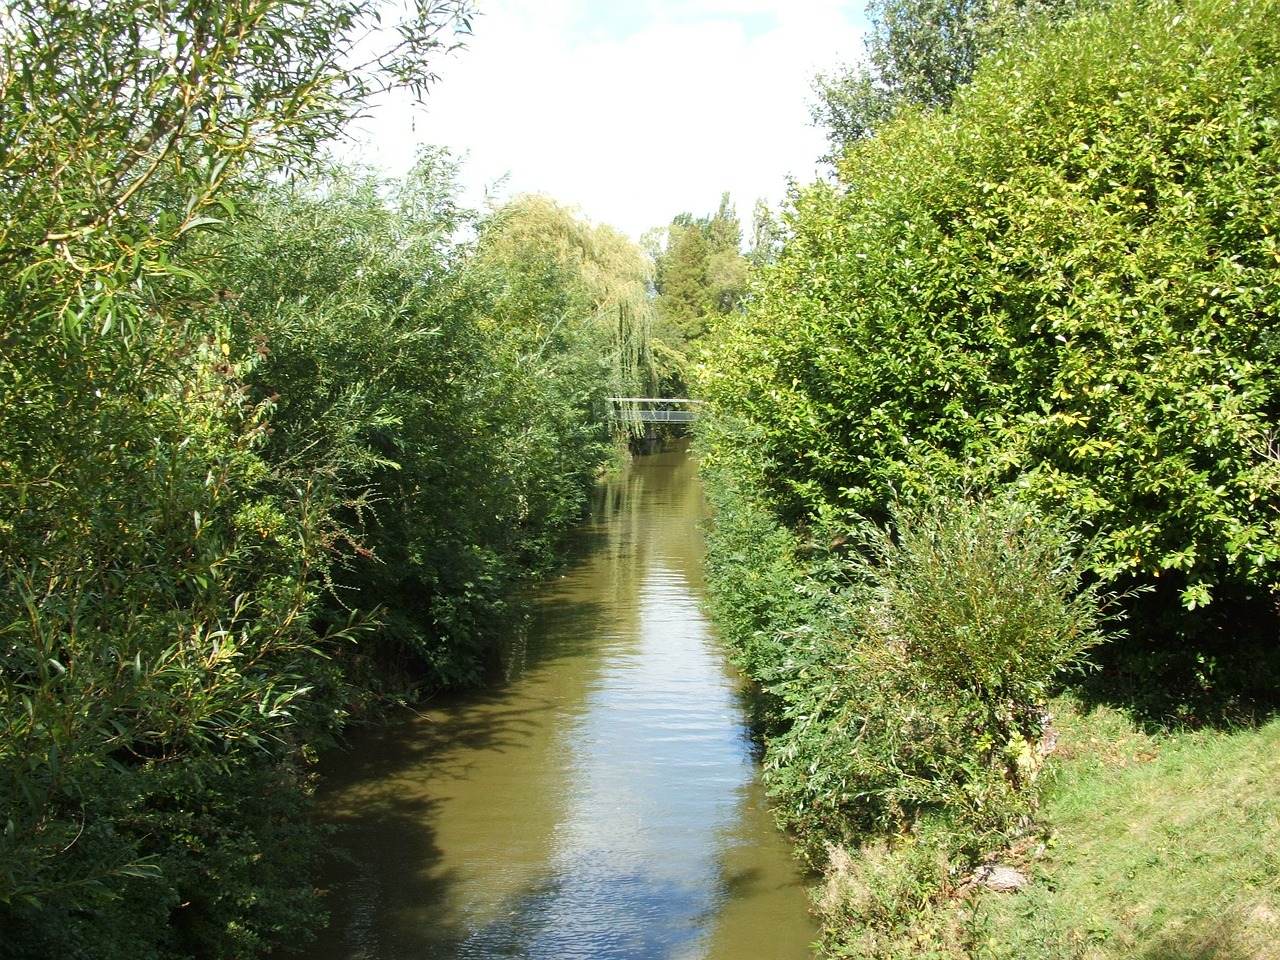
pixel 1160 848
pixel 1151 847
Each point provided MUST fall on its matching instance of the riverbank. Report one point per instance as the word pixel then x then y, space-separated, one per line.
pixel 1164 846
pixel 1161 846
pixel 1114 841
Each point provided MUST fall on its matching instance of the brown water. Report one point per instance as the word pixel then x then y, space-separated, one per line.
pixel 602 804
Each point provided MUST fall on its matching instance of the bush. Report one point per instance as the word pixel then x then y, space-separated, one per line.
pixel 765 583
pixel 1067 281
pixel 981 595
pixel 905 685
pixel 450 391
pixel 924 707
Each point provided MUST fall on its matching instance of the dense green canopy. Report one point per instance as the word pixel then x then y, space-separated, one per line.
pixel 1067 281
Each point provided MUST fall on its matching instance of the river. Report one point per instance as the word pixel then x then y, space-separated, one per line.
pixel 602 803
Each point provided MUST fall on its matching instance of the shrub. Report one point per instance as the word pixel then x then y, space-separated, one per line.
pixel 981 595
pixel 927 702
pixel 1068 280
pixel 764 583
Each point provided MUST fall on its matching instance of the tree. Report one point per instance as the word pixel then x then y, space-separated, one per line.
pixel 452 393
pixel 918 54
pixel 700 274
pixel 157 574
pixel 684 278
pixel 1012 353
pixel 1066 283
pixel 766 235
pixel 567 284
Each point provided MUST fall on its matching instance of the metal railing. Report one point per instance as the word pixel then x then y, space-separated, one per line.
pixel 655 409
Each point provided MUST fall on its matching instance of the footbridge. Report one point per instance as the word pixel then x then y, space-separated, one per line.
pixel 655 409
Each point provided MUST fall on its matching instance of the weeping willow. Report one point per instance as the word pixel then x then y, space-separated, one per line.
pixel 574 289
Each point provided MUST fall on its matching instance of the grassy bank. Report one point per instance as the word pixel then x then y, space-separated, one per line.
pixel 1152 846
pixel 1162 847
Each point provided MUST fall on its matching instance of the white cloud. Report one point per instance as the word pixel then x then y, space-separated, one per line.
pixel 636 120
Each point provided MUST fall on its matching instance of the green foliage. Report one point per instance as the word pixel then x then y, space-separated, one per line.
pixel 924 696
pixel 139 624
pixel 918 54
pixel 154 606
pixel 217 404
pixel 224 858
pixel 125 125
pixel 1059 290
pixel 571 295
pixel 764 582
pixel 452 393
pixel 1066 282
pixel 904 673
pixel 345 295
pixel 700 275
pixel 981 595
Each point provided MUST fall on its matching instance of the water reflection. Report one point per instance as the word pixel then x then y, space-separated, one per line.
pixel 602 804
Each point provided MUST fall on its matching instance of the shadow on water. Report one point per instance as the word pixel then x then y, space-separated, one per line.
pixel 390 884
pixel 391 888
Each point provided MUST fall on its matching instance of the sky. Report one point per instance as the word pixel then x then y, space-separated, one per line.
pixel 632 111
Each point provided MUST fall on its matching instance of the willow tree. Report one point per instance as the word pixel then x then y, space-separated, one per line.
pixel 155 574
pixel 563 284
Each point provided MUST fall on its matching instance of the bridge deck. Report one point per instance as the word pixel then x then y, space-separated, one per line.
pixel 657 416
pixel 655 409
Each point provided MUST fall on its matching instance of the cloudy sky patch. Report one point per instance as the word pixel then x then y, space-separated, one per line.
pixel 633 112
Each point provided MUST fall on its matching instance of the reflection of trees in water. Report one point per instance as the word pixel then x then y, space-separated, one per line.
pixel 651 517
